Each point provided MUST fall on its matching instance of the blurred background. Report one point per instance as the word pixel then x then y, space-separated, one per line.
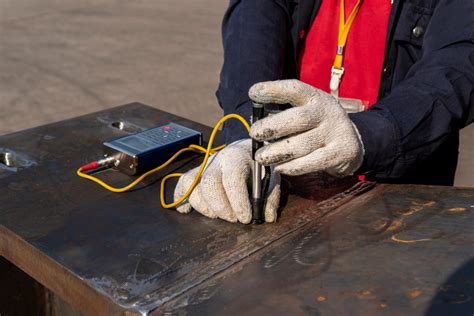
pixel 64 58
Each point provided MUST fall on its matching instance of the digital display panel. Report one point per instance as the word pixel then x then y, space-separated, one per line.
pixel 135 142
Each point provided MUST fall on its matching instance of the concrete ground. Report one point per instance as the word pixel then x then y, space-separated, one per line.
pixel 64 58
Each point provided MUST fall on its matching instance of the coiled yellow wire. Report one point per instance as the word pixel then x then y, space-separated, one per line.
pixel 195 148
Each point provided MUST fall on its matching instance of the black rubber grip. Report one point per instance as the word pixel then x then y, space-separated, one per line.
pixel 258 113
pixel 258 216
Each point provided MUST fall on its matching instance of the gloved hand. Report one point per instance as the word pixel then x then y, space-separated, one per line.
pixel 223 190
pixel 315 135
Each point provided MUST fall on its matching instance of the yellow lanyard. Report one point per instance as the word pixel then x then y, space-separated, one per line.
pixel 344 27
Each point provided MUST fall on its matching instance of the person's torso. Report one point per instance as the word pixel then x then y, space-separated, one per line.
pixel 404 40
pixel 363 52
pixel 408 22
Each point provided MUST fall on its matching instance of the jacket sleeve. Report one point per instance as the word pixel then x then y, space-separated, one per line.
pixel 255 36
pixel 433 101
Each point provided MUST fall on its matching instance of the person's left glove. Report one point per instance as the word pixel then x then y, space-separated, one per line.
pixel 223 191
pixel 315 135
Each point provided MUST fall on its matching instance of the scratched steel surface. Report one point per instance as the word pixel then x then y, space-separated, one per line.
pixel 126 246
pixel 397 250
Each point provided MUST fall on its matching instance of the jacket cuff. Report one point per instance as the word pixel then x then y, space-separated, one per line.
pixel 380 140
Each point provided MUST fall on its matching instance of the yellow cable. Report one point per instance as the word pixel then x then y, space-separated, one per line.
pixel 207 151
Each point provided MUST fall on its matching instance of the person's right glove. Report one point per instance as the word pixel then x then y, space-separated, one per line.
pixel 315 135
pixel 223 191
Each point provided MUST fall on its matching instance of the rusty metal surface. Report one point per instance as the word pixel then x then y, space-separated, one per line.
pixel 397 250
pixel 394 250
pixel 109 253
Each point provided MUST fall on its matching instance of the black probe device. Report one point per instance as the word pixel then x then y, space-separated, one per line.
pixel 258 191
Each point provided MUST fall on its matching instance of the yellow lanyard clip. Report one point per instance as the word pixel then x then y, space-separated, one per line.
pixel 336 76
pixel 344 27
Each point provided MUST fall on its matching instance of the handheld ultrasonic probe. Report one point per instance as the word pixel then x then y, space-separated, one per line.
pixel 258 199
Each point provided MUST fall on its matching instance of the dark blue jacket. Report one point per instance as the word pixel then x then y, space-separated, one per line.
pixel 426 93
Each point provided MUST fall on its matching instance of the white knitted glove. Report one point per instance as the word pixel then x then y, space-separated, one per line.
pixel 315 135
pixel 223 191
